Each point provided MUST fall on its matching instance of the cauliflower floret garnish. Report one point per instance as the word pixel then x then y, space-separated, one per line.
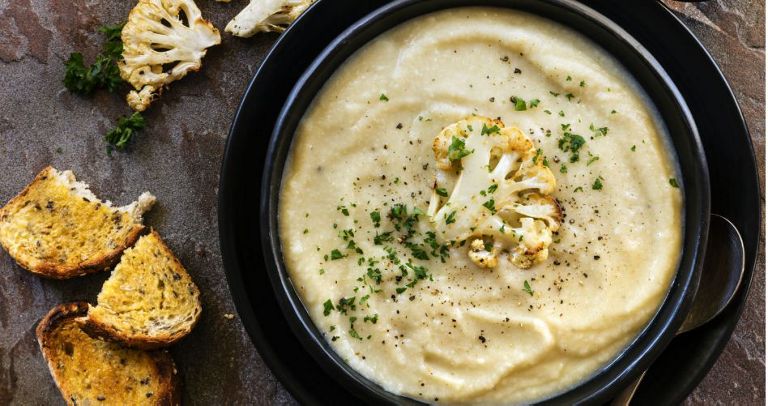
pixel 266 16
pixel 492 189
pixel 163 40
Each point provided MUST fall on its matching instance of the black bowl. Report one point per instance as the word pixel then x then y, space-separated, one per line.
pixel 640 63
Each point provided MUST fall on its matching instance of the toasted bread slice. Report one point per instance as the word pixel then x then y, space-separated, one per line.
pixel 148 302
pixel 89 371
pixel 57 228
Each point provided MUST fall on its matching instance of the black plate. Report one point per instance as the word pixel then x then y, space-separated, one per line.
pixel 722 129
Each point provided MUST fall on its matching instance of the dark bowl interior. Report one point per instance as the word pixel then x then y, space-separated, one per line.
pixel 639 62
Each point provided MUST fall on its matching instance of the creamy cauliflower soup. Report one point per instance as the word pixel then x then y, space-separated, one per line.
pixel 480 207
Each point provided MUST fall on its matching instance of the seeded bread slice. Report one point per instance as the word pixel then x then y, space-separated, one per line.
pixel 90 371
pixel 56 227
pixel 149 301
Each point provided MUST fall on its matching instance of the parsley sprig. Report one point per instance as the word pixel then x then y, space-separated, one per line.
pixel 103 73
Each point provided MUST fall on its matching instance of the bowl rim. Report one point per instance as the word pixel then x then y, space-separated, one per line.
pixel 627 364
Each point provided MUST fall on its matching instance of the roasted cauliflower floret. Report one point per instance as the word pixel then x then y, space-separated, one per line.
pixel 163 40
pixel 266 16
pixel 492 189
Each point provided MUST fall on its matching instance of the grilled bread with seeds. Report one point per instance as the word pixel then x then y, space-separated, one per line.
pixel 148 302
pixel 56 227
pixel 90 371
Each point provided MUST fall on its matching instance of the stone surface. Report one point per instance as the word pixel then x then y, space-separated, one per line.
pixel 41 123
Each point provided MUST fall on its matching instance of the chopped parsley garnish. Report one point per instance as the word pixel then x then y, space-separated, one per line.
pixel 380 239
pixel 598 185
pixel 569 96
pixel 450 218
pixel 634 147
pixel 374 274
pixel 457 149
pixel 492 188
pixel 490 205
pixel 563 168
pixel 442 192
pixel 103 73
pixel 353 333
pixel 578 189
pixel 568 79
pixel 554 94
pixel 598 132
pixel 384 97
pixel 376 218
pixel 417 251
pixel 534 103
pixel 520 104
pixel 373 319
pixel 673 183
pixel 346 304
pixel 489 130
pixel 336 254
pixel 400 290
pixel 536 157
pixel 327 307
pixel 572 143
pixel 592 158
pixel 527 288
pixel 127 126
pixel 582 83
pixel 343 210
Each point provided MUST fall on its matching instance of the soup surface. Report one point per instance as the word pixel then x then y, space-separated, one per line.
pixel 407 306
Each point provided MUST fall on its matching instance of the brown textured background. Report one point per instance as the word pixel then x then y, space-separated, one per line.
pixel 178 158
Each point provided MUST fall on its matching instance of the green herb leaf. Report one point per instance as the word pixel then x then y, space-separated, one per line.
pixel 327 307
pixel 490 130
pixel 572 143
pixel 450 218
pixel 592 159
pixel 373 319
pixel 519 103
pixel 384 97
pixel 457 149
pixel 336 254
pixel 673 183
pixel 598 184
pixel 376 218
pixel 442 192
pixel 127 126
pixel 490 205
pixel 527 288
pixel 103 73
pixel 380 239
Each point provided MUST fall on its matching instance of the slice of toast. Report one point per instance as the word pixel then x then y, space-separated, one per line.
pixel 90 371
pixel 149 301
pixel 56 227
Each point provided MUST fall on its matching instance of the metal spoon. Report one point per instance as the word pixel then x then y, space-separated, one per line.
pixel 720 280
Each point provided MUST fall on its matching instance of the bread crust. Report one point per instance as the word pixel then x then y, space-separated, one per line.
pixel 170 394
pixel 53 270
pixel 96 328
